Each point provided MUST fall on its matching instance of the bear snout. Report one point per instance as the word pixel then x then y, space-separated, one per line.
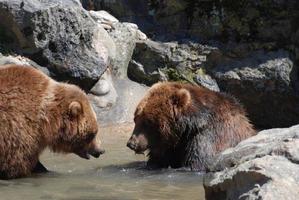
pixel 131 144
pixel 92 150
pixel 96 152
pixel 136 145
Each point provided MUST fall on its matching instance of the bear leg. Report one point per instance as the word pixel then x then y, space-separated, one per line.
pixel 39 168
pixel 18 170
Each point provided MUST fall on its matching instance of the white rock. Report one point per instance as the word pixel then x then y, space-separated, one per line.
pixel 131 25
pixel 107 26
pixel 19 60
pixel 102 87
pixel 103 43
pixel 102 15
pixel 103 94
pixel 141 35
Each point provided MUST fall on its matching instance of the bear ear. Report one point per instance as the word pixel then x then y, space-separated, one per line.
pixel 75 109
pixel 181 98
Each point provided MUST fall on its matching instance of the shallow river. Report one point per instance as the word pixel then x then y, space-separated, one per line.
pixel 118 174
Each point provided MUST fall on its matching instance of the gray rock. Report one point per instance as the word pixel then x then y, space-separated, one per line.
pixel 267 142
pixel 141 35
pixel 57 34
pixel 265 166
pixel 135 11
pixel 208 19
pixel 103 94
pixel 124 37
pixel 137 73
pixel 19 60
pixel 265 84
pixel 102 87
pixel 102 16
pixel 103 43
pixel 153 61
pixel 269 177
pixel 206 81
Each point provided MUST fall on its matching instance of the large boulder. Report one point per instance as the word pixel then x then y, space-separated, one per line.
pixel 265 83
pixel 57 34
pixel 265 166
pixel 123 37
pixel 154 61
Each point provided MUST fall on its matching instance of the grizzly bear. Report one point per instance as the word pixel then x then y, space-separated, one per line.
pixel 37 112
pixel 183 125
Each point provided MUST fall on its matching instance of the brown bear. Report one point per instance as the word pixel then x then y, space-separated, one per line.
pixel 37 112
pixel 183 125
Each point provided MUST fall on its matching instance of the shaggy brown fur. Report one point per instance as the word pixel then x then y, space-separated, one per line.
pixel 183 125
pixel 37 112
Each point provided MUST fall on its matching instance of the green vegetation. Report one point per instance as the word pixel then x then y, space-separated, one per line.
pixel 184 76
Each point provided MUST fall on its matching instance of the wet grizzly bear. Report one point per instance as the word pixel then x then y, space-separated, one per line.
pixel 37 112
pixel 182 125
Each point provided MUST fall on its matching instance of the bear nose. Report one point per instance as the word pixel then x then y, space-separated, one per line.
pixel 96 152
pixel 131 145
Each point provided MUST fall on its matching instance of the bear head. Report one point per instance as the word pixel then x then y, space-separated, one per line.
pixel 155 119
pixel 77 124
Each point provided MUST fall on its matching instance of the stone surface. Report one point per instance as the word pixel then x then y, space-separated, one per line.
pixel 226 20
pixel 265 83
pixel 20 60
pixel 206 81
pixel 104 19
pixel 105 44
pixel 135 11
pixel 269 177
pixel 124 37
pixel 102 16
pixel 103 93
pixel 56 34
pixel 129 94
pixel 157 61
pixel 265 166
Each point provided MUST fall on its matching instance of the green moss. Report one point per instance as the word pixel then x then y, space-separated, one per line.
pixel 184 76
pixel 201 71
pixel 172 74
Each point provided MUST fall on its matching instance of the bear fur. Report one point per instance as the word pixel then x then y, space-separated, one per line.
pixel 183 125
pixel 37 112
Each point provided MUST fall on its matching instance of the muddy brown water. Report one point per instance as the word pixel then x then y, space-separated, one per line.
pixel 118 174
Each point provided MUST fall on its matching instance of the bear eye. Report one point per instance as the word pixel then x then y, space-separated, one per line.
pixel 90 137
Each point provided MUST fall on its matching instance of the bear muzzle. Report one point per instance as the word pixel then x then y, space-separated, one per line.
pixel 134 145
pixel 95 152
pixel 131 145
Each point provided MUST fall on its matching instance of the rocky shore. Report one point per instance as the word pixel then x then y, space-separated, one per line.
pixel 262 167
